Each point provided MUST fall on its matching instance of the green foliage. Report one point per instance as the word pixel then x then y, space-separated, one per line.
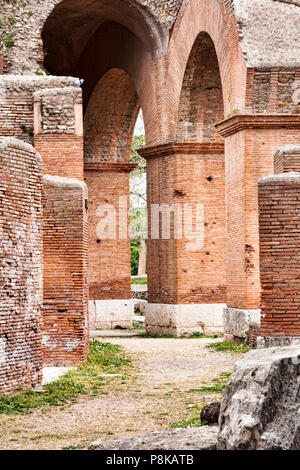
pixel 217 385
pixel 87 379
pixel 142 282
pixel 135 255
pixel 228 347
pixel 9 41
pixel 192 421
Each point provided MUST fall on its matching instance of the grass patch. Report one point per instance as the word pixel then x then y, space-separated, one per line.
pixel 138 326
pixel 192 421
pixel 228 347
pixel 217 385
pixel 195 335
pixel 85 380
pixel 142 282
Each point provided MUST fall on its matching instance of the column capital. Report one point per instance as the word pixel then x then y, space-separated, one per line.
pixel 189 148
pixel 119 167
pixel 241 122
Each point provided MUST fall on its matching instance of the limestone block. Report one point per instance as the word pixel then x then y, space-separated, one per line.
pixel 237 321
pixel 111 314
pixel 204 438
pixel 260 409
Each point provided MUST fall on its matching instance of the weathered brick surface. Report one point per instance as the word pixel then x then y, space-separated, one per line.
pixel 279 254
pixel 20 265
pixel 287 159
pixel 109 257
pixel 188 173
pixel 65 238
pixel 250 145
pixel 16 103
pixel 58 133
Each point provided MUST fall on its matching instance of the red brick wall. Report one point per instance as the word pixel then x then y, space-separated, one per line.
pixel 16 103
pixel 279 254
pixel 249 147
pixel 58 133
pixel 287 159
pixel 109 259
pixel 20 265
pixel 188 173
pixel 65 309
pixel 201 101
pixel 63 154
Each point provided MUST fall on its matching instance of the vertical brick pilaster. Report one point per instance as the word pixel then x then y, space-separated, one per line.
pixel 250 142
pixel 58 131
pixel 65 309
pixel 21 288
pixel 184 269
pixel 109 256
pixel 279 208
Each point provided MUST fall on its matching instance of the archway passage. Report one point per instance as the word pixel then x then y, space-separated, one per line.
pixel 106 44
pixel 189 270
pixel 108 128
pixel 201 102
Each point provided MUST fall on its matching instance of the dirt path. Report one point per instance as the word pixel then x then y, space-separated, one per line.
pixel 161 391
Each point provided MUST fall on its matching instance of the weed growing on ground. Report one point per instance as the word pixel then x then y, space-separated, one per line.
pixel 87 379
pixel 192 420
pixel 228 347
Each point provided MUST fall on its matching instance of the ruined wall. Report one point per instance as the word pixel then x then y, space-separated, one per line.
pixel 65 315
pixel 58 132
pixel 279 247
pixel 17 102
pixel 264 25
pixel 273 90
pixel 20 265
pixel 22 23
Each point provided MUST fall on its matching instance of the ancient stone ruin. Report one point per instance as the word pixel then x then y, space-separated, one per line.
pixel 218 82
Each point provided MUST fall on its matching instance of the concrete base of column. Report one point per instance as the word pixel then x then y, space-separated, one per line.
pixel 237 323
pixel 277 341
pixel 111 314
pixel 177 320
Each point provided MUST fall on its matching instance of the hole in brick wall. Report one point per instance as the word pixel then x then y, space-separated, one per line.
pixel 210 178
pixel 179 193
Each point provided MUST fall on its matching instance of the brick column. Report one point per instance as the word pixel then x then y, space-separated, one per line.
pixel 58 136
pixel 279 209
pixel 250 142
pixel 65 238
pixel 21 280
pixel 186 270
pixel 109 245
pixel 58 131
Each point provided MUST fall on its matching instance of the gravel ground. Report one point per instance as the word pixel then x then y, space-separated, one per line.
pixel 160 392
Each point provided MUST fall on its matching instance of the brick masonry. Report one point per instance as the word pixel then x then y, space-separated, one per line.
pixel 21 287
pixel 178 272
pixel 109 253
pixel 58 130
pixel 279 246
pixel 65 239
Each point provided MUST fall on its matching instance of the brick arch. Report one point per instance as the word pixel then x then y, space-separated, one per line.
pixel 71 23
pixel 201 101
pixel 110 118
pixel 217 19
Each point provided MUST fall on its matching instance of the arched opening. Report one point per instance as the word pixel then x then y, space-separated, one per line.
pixel 201 102
pixel 188 269
pixel 108 129
pixel 72 23
pixel 106 44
